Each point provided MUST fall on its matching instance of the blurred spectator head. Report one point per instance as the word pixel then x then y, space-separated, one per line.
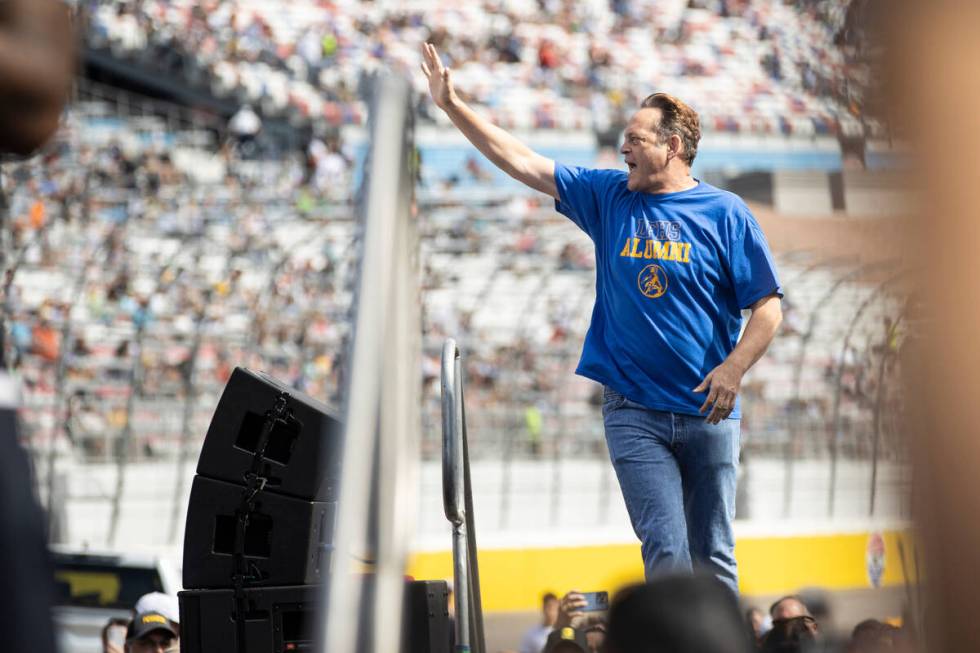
pixel 817 603
pixel 160 603
pixel 755 623
pixel 676 119
pixel 595 635
pixel 567 640
pixel 549 608
pixel 676 613
pixel 791 635
pixel 873 636
pixel 788 607
pixel 150 632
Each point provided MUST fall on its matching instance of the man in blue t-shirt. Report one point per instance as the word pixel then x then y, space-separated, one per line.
pixel 677 261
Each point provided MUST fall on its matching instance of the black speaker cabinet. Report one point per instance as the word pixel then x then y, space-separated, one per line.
pixel 287 540
pixel 281 619
pixel 296 449
pixel 277 620
pixel 427 625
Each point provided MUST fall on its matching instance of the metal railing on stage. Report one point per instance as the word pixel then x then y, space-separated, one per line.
pixel 457 500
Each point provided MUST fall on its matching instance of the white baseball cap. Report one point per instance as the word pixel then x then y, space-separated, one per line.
pixel 160 603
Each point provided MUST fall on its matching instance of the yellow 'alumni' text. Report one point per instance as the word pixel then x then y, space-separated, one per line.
pixel 655 249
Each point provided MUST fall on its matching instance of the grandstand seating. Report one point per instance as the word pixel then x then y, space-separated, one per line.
pixel 255 278
pixel 749 66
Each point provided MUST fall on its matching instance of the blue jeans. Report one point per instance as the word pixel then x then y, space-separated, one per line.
pixel 678 476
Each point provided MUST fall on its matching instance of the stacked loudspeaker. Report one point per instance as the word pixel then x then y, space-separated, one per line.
pixel 260 522
pixel 260 527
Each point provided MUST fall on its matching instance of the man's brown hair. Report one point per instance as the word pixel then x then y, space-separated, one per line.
pixel 676 117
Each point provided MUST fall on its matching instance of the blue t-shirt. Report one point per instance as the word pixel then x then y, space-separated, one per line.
pixel 673 272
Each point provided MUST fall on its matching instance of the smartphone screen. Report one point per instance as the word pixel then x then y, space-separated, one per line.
pixel 596 601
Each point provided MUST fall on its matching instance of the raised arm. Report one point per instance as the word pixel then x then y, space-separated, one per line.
pixel 504 151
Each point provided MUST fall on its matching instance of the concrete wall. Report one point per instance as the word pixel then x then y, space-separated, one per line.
pixel 817 193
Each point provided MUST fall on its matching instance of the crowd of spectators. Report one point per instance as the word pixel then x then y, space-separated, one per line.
pixel 697 613
pixel 681 613
pixel 746 65
pixel 125 270
pixel 128 268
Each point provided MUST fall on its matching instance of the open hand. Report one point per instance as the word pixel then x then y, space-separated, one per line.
pixel 722 384
pixel 440 84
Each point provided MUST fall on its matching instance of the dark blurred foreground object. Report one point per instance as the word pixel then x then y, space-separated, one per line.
pixel 37 48
pixel 676 613
pixel 932 54
pixel 26 577
pixel 791 635
pixel 37 56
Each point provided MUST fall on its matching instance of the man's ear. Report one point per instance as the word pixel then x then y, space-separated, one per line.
pixel 674 146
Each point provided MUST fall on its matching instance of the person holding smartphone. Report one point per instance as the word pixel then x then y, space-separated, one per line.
pixel 581 621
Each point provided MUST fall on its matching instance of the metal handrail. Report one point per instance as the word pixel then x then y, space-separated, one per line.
pixel 457 500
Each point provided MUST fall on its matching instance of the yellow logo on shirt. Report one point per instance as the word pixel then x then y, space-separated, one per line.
pixel 652 281
pixel 656 249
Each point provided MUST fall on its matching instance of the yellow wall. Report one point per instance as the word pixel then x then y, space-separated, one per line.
pixel 514 579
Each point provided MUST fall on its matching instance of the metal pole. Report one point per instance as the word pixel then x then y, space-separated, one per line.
pixel 457 499
pixel 506 464
pixel 399 421
pixel 61 372
pixel 190 391
pixel 122 453
pixel 879 395
pixel 367 411
pixel 556 490
pixel 835 425
pixel 789 452
pixel 452 488
pixel 263 301
pixel 476 601
pixel 4 220
pixel 135 383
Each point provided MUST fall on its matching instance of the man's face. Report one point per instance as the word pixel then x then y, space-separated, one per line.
pixel 788 609
pixel 646 158
pixel 156 642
